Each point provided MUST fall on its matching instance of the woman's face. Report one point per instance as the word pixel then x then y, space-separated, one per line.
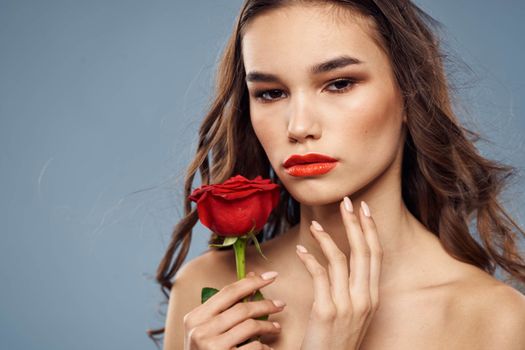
pixel 351 111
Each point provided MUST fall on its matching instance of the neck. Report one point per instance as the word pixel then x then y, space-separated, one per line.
pixel 401 235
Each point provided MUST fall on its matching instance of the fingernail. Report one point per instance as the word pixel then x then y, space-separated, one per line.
pixel 301 248
pixel 269 275
pixel 317 225
pixel 277 325
pixel 366 209
pixel 251 273
pixel 279 303
pixel 348 204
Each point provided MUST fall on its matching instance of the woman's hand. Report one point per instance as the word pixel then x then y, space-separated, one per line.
pixel 222 321
pixel 344 305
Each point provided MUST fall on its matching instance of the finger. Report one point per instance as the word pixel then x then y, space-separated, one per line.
pixel 359 254
pixel 245 330
pixel 337 266
pixel 322 297
pixel 376 251
pixel 255 345
pixel 230 295
pixel 239 313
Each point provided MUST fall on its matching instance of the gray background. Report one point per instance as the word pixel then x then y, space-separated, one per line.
pixel 100 103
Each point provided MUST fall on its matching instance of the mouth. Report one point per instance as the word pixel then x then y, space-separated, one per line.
pixel 310 164
pixel 309 158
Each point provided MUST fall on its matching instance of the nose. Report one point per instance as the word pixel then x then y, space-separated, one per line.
pixel 303 122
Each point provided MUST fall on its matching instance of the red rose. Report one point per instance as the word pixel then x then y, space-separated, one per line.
pixel 232 208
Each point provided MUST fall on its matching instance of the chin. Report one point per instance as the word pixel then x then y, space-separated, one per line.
pixel 316 197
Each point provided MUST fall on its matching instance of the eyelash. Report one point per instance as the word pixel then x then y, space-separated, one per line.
pixel 259 93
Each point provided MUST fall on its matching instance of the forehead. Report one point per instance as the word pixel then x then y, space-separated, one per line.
pixel 296 35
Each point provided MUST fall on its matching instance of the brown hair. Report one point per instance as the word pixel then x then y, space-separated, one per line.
pixel 446 183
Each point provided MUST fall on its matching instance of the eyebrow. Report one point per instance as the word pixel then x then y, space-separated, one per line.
pixel 323 67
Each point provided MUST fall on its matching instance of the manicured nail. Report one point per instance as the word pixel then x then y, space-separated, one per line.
pixel 279 303
pixel 301 248
pixel 269 275
pixel 317 225
pixel 348 204
pixel 277 325
pixel 366 209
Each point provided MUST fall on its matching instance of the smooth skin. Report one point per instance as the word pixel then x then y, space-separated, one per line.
pixel 347 295
pixel 340 294
pixel 222 321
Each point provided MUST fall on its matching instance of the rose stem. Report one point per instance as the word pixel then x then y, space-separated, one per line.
pixel 240 258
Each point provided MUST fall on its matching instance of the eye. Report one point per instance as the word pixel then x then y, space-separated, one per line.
pixel 343 84
pixel 262 95
pixel 265 96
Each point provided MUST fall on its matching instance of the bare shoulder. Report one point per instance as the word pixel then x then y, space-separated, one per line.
pixel 494 311
pixel 213 266
pixel 503 317
pixel 211 269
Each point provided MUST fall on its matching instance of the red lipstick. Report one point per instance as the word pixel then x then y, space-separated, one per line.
pixel 310 164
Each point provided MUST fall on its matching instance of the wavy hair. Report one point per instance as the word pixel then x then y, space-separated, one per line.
pixel 446 183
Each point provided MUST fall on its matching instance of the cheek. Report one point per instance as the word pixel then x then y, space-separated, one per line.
pixel 261 129
pixel 266 134
pixel 371 126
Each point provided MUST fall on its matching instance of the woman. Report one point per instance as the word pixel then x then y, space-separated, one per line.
pixel 393 265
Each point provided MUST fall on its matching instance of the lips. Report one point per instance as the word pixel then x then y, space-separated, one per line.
pixel 308 158
pixel 311 164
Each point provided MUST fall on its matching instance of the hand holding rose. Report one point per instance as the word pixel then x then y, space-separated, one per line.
pixel 222 323
pixel 234 210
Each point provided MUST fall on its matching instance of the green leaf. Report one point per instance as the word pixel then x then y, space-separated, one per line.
pixel 254 239
pixel 227 242
pixel 256 297
pixel 230 240
pixel 207 293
